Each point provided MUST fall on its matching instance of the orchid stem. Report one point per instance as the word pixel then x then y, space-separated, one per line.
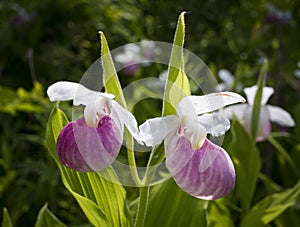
pixel 142 208
pixel 133 168
pixel 131 159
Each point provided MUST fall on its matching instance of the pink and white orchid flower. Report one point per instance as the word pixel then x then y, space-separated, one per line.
pixel 199 167
pixel 92 142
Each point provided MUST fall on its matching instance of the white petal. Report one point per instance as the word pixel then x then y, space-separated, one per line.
pixel 154 131
pixel 210 102
pixel 90 115
pixel 127 119
pixel 280 116
pixel 95 107
pixel 62 91
pixel 267 92
pixel 215 125
pixel 251 92
pixel 194 131
pixel 237 111
pixel 84 96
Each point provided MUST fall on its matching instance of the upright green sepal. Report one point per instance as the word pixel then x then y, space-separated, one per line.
pixel 110 79
pixel 177 85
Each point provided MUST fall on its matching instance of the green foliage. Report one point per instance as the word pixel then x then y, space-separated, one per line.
pixel 103 202
pixel 169 206
pixel 247 162
pixel 257 101
pixel 218 214
pixel 47 41
pixel 6 221
pixel 271 207
pixel 46 219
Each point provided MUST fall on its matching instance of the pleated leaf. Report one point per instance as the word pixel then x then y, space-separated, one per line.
pixel 269 208
pixel 103 202
pixel 218 214
pixel 46 218
pixel 169 206
pixel 247 164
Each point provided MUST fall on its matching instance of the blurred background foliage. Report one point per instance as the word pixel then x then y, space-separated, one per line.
pixel 45 41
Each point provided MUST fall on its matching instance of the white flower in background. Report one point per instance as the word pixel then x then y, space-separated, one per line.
pixel 227 81
pixel 92 142
pixel 268 113
pixel 297 71
pixel 199 167
pixel 134 54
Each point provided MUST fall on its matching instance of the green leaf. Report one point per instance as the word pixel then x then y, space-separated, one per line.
pixel 247 162
pixel 257 101
pixel 47 219
pixel 177 85
pixel 271 207
pixel 6 222
pixel 169 206
pixel 102 201
pixel 218 214
pixel 284 154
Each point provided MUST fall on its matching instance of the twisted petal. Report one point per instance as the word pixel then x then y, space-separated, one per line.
pixel 153 131
pixel 280 116
pixel 251 92
pixel 126 118
pixel 210 102
pixel 209 174
pixel 83 148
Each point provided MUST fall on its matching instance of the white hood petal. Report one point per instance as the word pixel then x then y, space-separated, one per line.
pixel 210 102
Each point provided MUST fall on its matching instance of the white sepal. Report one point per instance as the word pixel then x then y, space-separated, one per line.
pixel 280 116
pixel 154 131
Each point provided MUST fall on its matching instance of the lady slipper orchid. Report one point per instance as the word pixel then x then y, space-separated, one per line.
pixel 199 167
pixel 92 142
pixel 268 113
